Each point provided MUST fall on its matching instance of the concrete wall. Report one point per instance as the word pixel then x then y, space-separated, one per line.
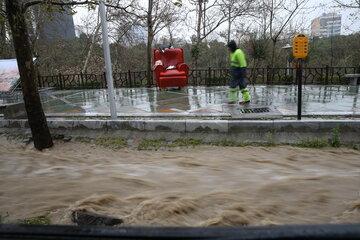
pixel 277 131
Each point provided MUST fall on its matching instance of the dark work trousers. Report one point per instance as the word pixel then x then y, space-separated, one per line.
pixel 238 77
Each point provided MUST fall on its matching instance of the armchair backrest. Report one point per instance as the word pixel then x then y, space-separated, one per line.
pixel 170 57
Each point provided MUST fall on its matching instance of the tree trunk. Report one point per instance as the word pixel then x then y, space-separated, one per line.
pixel 204 17
pixel 37 121
pixel 2 33
pixel 229 26
pixel 92 44
pixel 149 43
pixel 2 39
pixel 198 28
pixel 196 48
pixel 170 35
pixel 273 53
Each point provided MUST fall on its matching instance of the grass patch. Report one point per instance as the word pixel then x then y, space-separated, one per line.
pixel 230 143
pixel 35 220
pixel 111 142
pixel 151 144
pixel 82 139
pixel 16 136
pixel 267 144
pixel 162 143
pixel 317 143
pixel 185 143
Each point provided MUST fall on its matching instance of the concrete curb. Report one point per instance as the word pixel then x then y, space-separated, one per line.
pixel 277 131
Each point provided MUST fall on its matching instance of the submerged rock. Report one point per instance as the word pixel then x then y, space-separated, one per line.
pixel 67 138
pixel 86 218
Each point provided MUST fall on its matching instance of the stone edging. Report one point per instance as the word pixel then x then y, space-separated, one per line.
pixel 279 131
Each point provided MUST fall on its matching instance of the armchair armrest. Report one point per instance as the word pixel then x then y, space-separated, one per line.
pixel 183 67
pixel 157 70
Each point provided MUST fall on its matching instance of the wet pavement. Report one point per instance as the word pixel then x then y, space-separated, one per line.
pixel 198 100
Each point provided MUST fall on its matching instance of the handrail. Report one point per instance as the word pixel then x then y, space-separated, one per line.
pixel 204 77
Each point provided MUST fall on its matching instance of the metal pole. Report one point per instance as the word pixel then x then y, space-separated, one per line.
pixel 108 69
pixel 299 80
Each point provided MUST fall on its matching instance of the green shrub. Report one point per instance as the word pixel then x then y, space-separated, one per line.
pixel 335 137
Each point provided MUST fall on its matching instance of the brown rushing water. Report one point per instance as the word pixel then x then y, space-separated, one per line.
pixel 202 186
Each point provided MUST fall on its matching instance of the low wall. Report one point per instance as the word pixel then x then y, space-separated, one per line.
pixel 277 131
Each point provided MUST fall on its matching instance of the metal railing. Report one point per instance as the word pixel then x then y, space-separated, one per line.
pixel 204 77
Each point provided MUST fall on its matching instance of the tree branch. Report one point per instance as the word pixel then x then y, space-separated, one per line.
pixel 73 3
pixel 349 5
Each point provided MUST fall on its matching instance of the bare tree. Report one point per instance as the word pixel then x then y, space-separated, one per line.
pixel 234 9
pixel 94 40
pixel 277 14
pixel 207 21
pixel 156 17
pixel 211 14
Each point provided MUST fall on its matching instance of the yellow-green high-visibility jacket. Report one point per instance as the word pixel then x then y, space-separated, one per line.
pixel 237 58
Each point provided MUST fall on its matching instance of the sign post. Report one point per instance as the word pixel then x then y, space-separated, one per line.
pixel 300 51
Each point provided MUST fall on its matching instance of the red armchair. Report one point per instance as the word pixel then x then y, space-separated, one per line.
pixel 173 72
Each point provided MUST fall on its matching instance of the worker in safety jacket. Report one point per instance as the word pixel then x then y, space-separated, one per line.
pixel 238 73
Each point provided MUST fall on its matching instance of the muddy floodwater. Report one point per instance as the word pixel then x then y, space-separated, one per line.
pixel 201 186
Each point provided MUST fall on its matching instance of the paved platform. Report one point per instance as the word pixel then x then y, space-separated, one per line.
pixel 268 102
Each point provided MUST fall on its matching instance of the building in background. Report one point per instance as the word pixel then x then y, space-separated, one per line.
pixel 328 24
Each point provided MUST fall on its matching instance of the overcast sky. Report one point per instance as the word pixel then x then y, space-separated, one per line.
pixel 314 9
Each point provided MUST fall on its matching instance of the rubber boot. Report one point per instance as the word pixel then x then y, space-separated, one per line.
pixel 245 95
pixel 233 96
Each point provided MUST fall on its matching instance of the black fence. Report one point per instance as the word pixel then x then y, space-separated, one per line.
pixel 203 77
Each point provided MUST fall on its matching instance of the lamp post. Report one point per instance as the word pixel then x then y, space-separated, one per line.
pixel 108 69
pixel 287 47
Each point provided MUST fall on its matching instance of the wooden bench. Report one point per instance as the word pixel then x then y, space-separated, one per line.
pixel 353 78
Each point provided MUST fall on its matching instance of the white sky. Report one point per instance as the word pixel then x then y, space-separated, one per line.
pixel 315 8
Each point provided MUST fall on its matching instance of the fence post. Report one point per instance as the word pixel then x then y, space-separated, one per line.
pixel 60 82
pixel 209 82
pixel 39 81
pixel 267 75
pixel 130 83
pixel 81 80
pixel 326 74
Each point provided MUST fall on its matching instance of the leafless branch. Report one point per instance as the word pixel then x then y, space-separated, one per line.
pixel 353 4
pixel 73 3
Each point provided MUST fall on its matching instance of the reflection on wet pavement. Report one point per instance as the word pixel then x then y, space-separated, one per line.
pixel 198 99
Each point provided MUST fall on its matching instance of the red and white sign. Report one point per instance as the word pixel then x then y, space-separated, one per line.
pixel 9 74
